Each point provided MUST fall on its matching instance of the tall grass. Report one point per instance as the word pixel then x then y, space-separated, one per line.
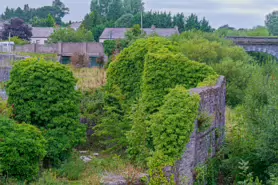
pixel 89 79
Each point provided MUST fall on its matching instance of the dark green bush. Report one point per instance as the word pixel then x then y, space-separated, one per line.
pixel 43 94
pixel 22 148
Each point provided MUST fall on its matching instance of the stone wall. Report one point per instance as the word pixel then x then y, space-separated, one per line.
pixel 64 49
pixel 203 145
pixel 267 45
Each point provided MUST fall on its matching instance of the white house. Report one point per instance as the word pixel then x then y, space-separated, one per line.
pixel 41 35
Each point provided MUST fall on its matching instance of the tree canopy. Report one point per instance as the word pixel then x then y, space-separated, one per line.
pixel 17 28
pixel 70 35
pixel 58 10
pixel 271 23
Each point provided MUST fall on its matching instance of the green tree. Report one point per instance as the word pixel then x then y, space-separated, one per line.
pixel 133 6
pixel 192 23
pixel 43 94
pixel 271 23
pixel 125 21
pixel 204 26
pixel 49 22
pixel 115 10
pixel 89 21
pixel 179 21
pixel 62 10
pixel 58 10
pixel 70 35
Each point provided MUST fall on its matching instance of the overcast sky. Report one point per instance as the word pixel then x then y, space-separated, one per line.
pixel 236 13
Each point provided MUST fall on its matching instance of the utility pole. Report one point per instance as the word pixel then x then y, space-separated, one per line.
pixel 142 9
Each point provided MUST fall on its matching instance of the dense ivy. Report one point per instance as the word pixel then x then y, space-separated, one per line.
pixel 164 70
pixel 43 94
pixel 173 124
pixel 138 81
pixel 22 148
pixel 126 71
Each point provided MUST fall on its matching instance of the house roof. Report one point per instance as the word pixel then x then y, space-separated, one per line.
pixel 40 32
pixel 75 25
pixel 119 33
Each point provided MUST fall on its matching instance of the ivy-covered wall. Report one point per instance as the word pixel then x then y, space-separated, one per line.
pixel 208 135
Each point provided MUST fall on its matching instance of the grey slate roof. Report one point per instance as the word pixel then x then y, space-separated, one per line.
pixel 119 33
pixel 40 32
pixel 75 25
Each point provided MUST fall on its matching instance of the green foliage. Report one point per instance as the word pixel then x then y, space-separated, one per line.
pixel 226 59
pixel 48 22
pixel 73 168
pixel 58 10
pixel 42 93
pixel 254 32
pixel 211 80
pixel 45 56
pixel 126 71
pixel 158 77
pixel 125 21
pixel 192 23
pixel 49 178
pixel 22 148
pixel 173 124
pixel 138 81
pixel 133 34
pixel 18 41
pixel 113 124
pixel 204 121
pixel 156 166
pixel 178 20
pixel 271 23
pixel 237 75
pixel 109 47
pixel 70 35
pixel 5 109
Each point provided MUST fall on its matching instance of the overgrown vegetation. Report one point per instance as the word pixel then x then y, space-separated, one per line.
pixel 42 93
pixel 144 113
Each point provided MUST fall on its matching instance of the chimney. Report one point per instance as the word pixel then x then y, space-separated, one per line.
pixel 110 35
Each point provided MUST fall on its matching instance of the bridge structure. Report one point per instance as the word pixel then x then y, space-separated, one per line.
pixel 267 45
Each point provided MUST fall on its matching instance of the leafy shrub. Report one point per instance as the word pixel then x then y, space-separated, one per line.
pixel 18 41
pixel 73 168
pixel 80 60
pixel 109 47
pixel 237 74
pixel 22 148
pixel 42 93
